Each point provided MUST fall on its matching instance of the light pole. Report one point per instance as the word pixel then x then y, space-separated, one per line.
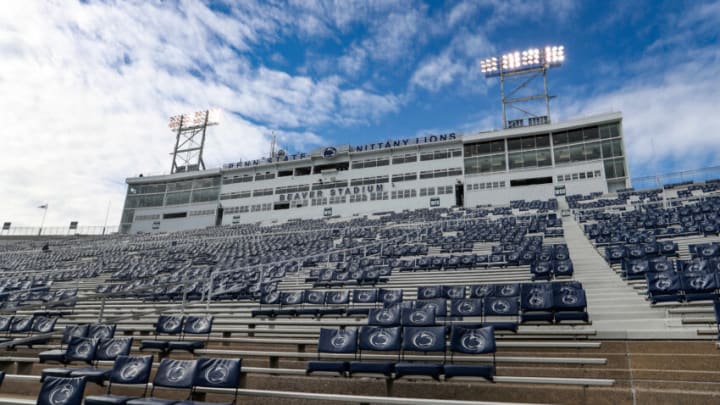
pixel 45 208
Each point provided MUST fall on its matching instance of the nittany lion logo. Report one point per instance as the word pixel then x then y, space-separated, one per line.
pixel 424 339
pixel 329 152
pixel 473 342
pixel 383 316
pixel 500 306
pixel 508 290
pixel 380 339
pixel 466 307
pixel 364 296
pixel 536 301
pixel 418 317
pixel 663 284
pixel 171 323
pixel 62 394
pixel 114 349
pixel 428 293
pixel 176 372
pixel 456 292
pixel 200 324
pixel 217 374
pixel 339 341
pixel 131 370
pixel 569 299
pixel 699 283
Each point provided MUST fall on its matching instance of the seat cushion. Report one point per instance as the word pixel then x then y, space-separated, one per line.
pixel 92 374
pixel 153 345
pixel 57 355
pixel 331 366
pixel 262 312
pixel 486 371
pixel 331 311
pixel 107 400
pixel 55 372
pixel 571 316
pixel 307 311
pixel 372 367
pixel 433 370
pixel 187 345
pixel 202 403
pixel 150 401
pixel 357 311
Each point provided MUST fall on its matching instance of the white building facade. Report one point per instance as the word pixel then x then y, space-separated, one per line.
pixel 531 163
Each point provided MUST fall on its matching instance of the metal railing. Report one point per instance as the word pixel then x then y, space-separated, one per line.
pixel 58 230
pixel 660 180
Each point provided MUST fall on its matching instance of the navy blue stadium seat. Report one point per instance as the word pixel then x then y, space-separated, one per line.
pixel 699 286
pixel 466 307
pixel 334 341
pixel 126 370
pixel 388 316
pixel 663 287
pixel 106 350
pixel 471 341
pixel 439 305
pixel 390 297
pixel 196 326
pixel 426 340
pixel 175 374
pixel 380 339
pixel 418 316
pixel 216 373
pixel 101 331
pixel 61 391
pixel 79 349
pixel 536 303
pixel 58 355
pixel 165 325
pixel 505 308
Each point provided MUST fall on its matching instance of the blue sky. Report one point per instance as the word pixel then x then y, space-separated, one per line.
pixel 88 86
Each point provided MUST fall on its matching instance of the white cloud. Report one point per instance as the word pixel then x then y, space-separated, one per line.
pixel 670 120
pixel 87 89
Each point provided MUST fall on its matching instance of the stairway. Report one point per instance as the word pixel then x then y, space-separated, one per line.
pixel 616 309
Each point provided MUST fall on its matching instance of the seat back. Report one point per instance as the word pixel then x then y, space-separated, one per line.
pixel 454 292
pixel 500 306
pixel 110 349
pixel 81 349
pixel 380 339
pixel 466 307
pixel 169 324
pixel 314 297
pixel 390 297
pixel 198 325
pixel 21 325
pixel 42 324
pixel 217 373
pixel 61 391
pixel 472 340
pixel 131 370
pixel 424 339
pixel 418 316
pixel 337 340
pixel 337 297
pixel 426 293
pixel 291 298
pixel 389 316
pixel 5 322
pixel 175 373
pixel 72 331
pixel 439 305
pixel 101 331
pixel 364 296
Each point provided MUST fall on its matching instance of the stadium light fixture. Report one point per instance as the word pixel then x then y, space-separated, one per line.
pixel 523 80
pixel 194 119
pixel 532 58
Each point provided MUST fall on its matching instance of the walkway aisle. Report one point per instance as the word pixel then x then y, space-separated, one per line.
pixel 617 311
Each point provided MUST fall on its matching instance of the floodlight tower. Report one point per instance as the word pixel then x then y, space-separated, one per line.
pixel 523 80
pixel 190 140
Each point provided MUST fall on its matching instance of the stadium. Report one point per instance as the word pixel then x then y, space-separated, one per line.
pixel 519 265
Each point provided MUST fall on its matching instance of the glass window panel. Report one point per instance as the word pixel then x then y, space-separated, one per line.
pixel 528 142
pixel 542 141
pixel 132 201
pixel 592 151
pixel 577 153
pixel 575 136
pixel 543 157
pixel 370 163
pixel 514 144
pixel 530 159
pixel 180 185
pixel 616 147
pixel 498 146
pixel 472 166
pixel 605 132
pixel 614 131
pixel 383 162
pixel 410 158
pixel 207 194
pixel 177 198
pixel 516 160
pixel 498 163
pixel 607 149
pixel 590 134
pixel 441 154
pixel 426 156
pixel 560 138
pixel 609 169
pixel 619 168
pixel 484 163
pixel 562 154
